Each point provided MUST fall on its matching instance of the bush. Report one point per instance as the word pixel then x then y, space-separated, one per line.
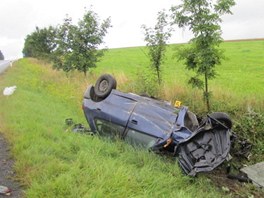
pixel 250 126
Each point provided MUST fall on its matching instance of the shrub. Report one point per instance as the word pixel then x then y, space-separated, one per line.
pixel 250 125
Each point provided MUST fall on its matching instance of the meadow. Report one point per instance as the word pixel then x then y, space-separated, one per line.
pixel 51 161
pixel 240 77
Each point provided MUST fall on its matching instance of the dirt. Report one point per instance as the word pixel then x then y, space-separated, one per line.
pixel 7 174
pixel 234 187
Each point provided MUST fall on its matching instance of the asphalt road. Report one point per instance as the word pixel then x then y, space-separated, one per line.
pixel 4 64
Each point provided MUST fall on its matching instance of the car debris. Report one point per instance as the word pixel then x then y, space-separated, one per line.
pixel 69 121
pixel 5 190
pixel 255 173
pixel 241 147
pixel 9 90
pixel 241 177
pixel 77 128
pixel 199 145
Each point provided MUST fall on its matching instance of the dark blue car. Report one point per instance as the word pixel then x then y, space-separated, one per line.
pixel 158 126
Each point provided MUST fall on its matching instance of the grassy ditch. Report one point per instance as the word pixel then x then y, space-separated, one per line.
pixel 53 162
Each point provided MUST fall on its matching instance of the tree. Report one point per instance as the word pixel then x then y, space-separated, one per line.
pixel 40 43
pixel 203 18
pixel 156 39
pixel 78 45
pixel 1 56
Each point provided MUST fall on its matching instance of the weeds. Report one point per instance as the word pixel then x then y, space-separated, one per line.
pixel 147 83
pixel 249 125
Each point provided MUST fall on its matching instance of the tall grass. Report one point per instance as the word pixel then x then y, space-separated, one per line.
pixel 53 162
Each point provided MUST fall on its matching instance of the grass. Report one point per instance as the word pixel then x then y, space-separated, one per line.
pixel 238 88
pixel 239 81
pixel 53 162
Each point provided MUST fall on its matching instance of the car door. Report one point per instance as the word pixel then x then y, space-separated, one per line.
pixel 149 122
pixel 113 111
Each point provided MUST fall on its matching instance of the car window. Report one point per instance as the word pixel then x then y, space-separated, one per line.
pixel 140 139
pixel 108 129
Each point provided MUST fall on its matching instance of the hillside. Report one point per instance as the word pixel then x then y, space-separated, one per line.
pixel 51 161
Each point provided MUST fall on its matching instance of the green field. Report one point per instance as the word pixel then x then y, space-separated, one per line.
pixel 240 77
pixel 53 162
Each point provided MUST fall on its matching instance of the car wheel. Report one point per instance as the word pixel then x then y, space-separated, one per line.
pixel 89 93
pixel 104 85
pixel 223 118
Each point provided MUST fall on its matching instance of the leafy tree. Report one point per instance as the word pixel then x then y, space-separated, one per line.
pixel 78 45
pixel 203 18
pixel 1 56
pixel 40 43
pixel 156 39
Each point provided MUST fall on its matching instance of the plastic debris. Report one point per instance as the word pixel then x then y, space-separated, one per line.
pixel 255 173
pixel 5 190
pixel 69 122
pixel 77 128
pixel 9 90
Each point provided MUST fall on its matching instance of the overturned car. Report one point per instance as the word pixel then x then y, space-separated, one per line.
pixel 199 146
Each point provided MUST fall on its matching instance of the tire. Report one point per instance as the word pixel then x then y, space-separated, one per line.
pixel 104 85
pixel 223 118
pixel 88 94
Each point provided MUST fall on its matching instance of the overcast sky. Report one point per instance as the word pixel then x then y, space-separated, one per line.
pixel 20 17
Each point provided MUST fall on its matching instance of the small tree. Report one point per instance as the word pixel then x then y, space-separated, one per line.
pixel 1 56
pixel 156 39
pixel 40 43
pixel 61 56
pixel 202 17
pixel 78 45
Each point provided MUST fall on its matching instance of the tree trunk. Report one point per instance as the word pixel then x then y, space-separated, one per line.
pixel 85 72
pixel 159 78
pixel 206 92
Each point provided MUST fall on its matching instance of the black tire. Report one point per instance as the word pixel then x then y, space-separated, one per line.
pixel 104 85
pixel 223 118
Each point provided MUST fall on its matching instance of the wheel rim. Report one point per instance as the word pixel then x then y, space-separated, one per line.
pixel 103 86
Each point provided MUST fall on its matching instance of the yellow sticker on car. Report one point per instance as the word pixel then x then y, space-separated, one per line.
pixel 177 103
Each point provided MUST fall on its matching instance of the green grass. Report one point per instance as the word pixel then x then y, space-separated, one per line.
pixel 53 162
pixel 240 78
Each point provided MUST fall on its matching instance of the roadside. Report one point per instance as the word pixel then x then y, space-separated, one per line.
pixel 4 64
pixel 7 174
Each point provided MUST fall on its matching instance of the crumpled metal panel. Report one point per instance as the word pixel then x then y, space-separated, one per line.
pixel 204 150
